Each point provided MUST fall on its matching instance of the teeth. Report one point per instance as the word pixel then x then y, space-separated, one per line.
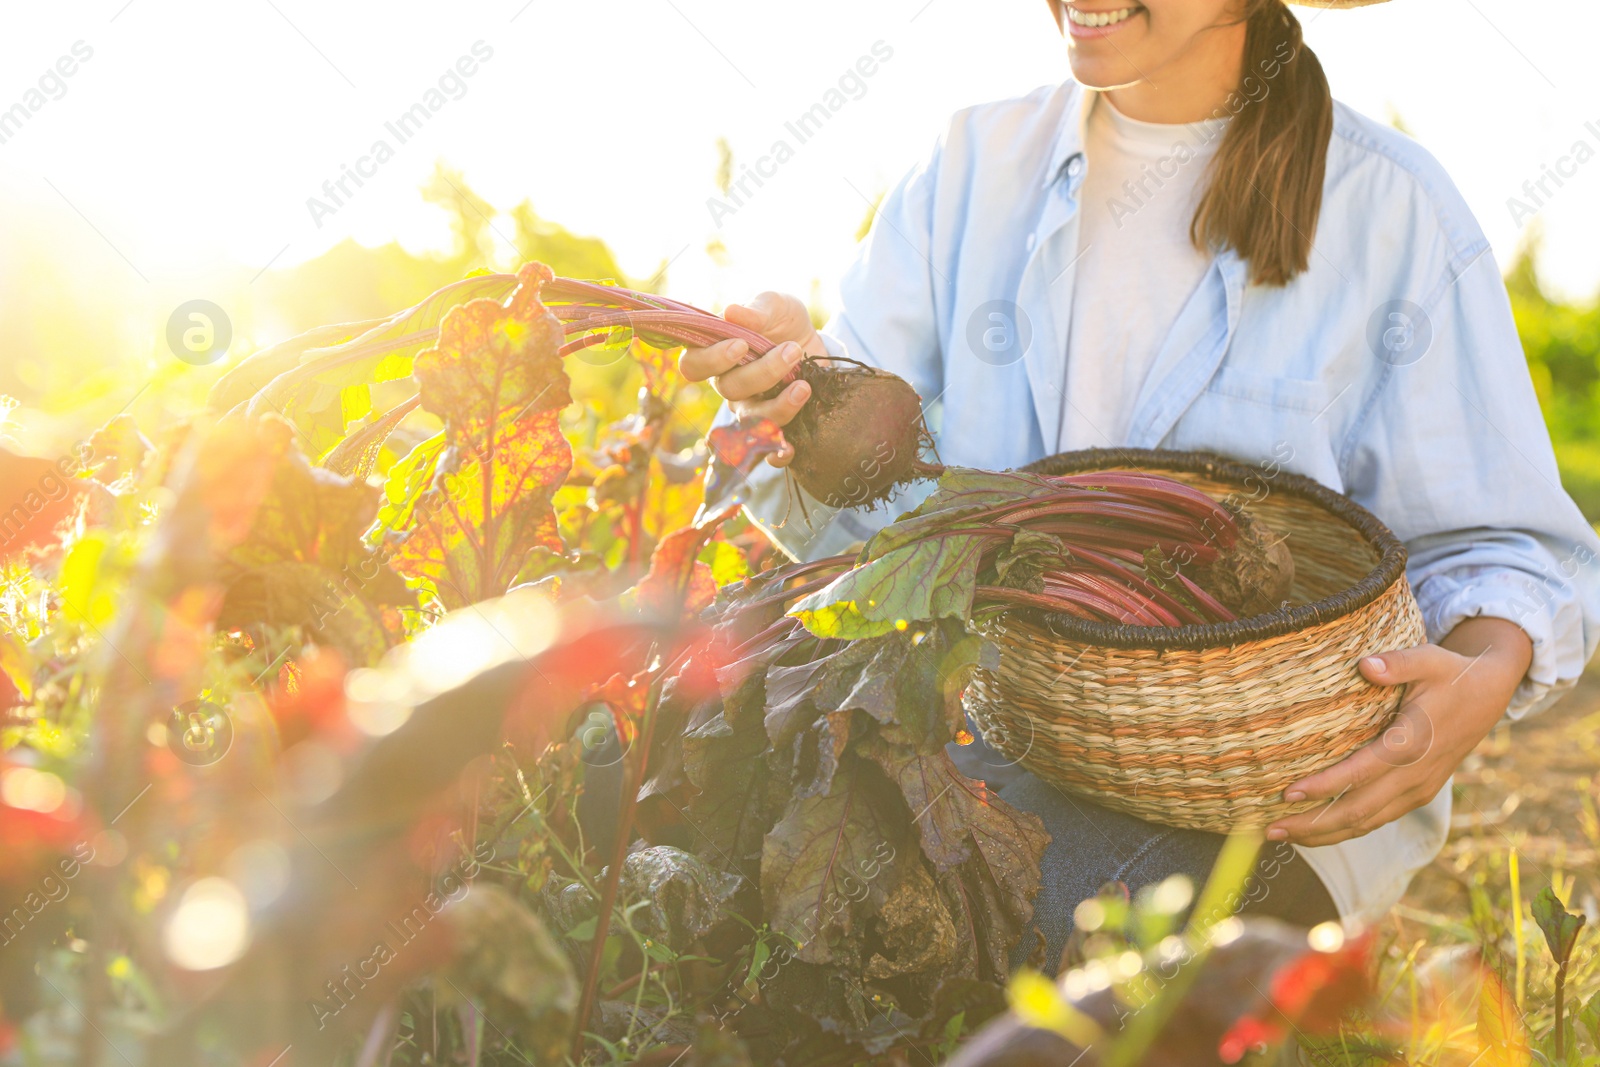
pixel 1099 18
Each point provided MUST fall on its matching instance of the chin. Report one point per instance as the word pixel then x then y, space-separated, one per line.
pixel 1101 72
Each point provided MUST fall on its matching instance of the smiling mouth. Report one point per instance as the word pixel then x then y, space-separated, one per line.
pixel 1097 20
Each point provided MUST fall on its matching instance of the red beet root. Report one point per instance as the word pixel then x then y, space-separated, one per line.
pixel 1253 577
pixel 859 437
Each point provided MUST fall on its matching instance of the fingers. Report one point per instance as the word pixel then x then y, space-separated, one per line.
pixel 1407 664
pixel 1375 785
pixel 764 311
pixel 1356 813
pixel 1358 769
pixel 759 375
pixel 698 364
pixel 780 409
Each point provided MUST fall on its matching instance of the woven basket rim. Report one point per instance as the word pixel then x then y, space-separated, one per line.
pixel 1391 562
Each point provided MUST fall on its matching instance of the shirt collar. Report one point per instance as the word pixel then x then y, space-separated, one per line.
pixel 1074 131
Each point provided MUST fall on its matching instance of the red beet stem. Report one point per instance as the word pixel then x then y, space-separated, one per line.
pixel 1116 512
pixel 1135 607
pixel 690 328
pixel 1105 536
pixel 784 624
pixel 803 589
pixel 1158 596
pixel 580 344
pixel 1076 603
pixel 1206 600
pixel 584 305
pixel 1149 486
pixel 1138 516
pixel 576 291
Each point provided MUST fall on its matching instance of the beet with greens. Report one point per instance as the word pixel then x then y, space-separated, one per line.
pixel 858 439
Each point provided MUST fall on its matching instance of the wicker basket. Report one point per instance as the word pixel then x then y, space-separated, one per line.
pixel 1204 726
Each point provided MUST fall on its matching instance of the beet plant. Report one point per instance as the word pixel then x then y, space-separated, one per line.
pixel 482 727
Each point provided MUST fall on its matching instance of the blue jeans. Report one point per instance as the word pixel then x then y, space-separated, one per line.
pixel 1091 846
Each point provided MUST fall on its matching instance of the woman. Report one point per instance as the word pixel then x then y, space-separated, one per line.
pixel 1191 246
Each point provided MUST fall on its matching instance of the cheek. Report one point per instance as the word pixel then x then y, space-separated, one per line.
pixel 1174 28
pixel 1144 44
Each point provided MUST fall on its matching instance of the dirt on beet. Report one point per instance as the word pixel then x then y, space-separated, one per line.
pixel 859 437
pixel 1254 575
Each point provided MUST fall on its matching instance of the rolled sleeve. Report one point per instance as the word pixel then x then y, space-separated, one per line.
pixel 1546 607
pixel 1455 457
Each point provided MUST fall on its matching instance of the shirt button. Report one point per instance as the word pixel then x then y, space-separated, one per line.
pixel 1033 239
pixel 1075 166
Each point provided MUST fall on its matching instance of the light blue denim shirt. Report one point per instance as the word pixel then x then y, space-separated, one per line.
pixel 1390 371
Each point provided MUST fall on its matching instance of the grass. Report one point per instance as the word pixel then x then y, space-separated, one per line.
pixel 1525 817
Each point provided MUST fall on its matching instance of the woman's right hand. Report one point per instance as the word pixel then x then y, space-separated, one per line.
pixel 780 318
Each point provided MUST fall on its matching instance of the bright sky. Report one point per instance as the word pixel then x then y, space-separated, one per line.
pixel 195 132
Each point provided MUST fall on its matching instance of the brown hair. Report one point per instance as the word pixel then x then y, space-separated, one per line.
pixel 1265 188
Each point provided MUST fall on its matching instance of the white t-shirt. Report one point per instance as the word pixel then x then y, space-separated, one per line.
pixel 1137 266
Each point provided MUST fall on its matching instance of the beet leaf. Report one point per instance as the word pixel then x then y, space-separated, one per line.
pixel 496 380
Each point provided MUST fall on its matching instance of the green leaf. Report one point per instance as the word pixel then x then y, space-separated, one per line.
pixel 1029 555
pixel 1502 1040
pixel 305 562
pixel 504 958
pixel 86 591
pixel 727 563
pixel 928 579
pixel 1589 1016
pixel 924 565
pixel 408 479
pixel 241 384
pixel 309 393
pixel 359 453
pixel 355 402
pixel 822 864
pixel 16 663
pixel 496 379
pixel 685 898
pixel 759 954
pixel 1560 926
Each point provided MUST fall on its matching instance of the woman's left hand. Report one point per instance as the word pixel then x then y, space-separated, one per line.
pixel 1457 691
